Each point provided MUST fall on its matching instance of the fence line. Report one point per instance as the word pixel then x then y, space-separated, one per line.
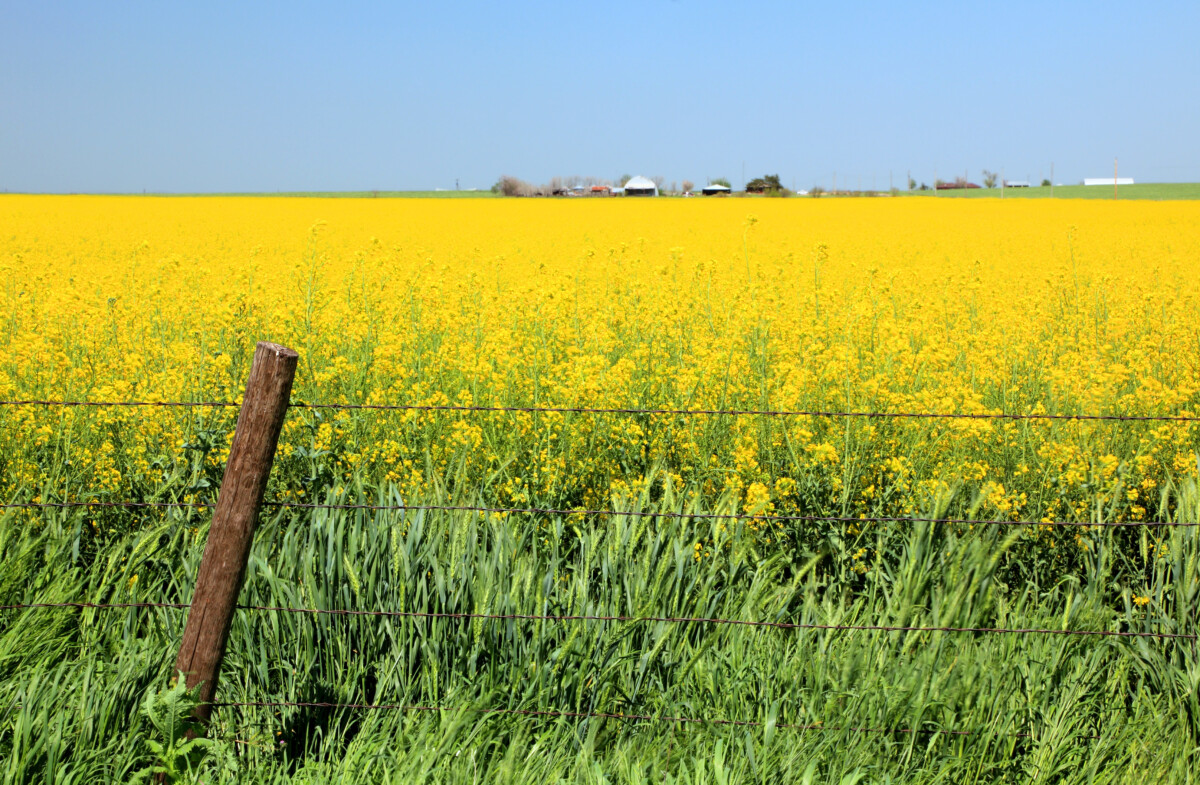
pixel 182 404
pixel 722 516
pixel 629 513
pixel 603 410
pixel 99 605
pixel 627 619
pixel 268 391
pixel 600 715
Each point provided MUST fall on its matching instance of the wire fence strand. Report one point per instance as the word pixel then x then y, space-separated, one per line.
pixel 595 714
pixel 96 605
pixel 103 504
pixel 722 516
pixel 641 411
pixel 609 512
pixel 624 619
pixel 816 726
pixel 717 621
pixel 178 404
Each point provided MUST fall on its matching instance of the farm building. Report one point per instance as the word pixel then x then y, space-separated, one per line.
pixel 641 186
pixel 712 189
pixel 1016 183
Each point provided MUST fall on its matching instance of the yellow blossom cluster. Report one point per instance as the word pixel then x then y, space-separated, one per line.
pixel 888 305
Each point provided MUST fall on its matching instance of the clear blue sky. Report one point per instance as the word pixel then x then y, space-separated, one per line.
pixel 165 96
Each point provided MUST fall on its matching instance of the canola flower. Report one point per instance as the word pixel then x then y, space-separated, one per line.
pixel 889 305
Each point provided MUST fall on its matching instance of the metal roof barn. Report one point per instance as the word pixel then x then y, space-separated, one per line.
pixel 641 186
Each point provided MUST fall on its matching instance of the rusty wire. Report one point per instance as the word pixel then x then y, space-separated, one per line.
pixel 816 726
pixel 97 605
pixel 629 513
pixel 637 411
pixel 707 620
pixel 180 404
pixel 720 516
pixel 623 619
pixel 590 715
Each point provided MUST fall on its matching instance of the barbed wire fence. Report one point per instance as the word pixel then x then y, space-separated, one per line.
pixel 1185 417
pixel 260 419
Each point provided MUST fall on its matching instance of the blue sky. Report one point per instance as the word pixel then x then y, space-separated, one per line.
pixel 126 96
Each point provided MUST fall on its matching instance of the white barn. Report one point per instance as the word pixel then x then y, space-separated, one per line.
pixel 641 186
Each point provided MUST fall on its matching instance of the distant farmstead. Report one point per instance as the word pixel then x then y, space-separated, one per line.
pixel 641 186
pixel 712 189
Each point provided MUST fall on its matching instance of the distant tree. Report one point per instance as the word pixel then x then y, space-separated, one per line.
pixel 720 181
pixel 673 188
pixel 624 179
pixel 817 190
pixel 688 185
pixel 990 178
pixel 1045 183
pixel 912 184
pixel 658 182
pixel 924 187
pixel 511 186
pixel 766 184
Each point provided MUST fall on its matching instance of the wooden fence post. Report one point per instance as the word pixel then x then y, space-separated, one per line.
pixel 223 565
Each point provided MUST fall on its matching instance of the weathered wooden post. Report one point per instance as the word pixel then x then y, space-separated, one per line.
pixel 223 565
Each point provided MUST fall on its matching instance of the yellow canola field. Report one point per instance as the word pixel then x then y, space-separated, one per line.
pixel 884 305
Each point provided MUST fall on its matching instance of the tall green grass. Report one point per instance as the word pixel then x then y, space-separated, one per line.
pixel 72 681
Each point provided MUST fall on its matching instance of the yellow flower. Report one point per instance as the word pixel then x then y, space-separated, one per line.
pixel 621 304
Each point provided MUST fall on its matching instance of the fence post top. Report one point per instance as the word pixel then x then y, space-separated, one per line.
pixel 274 348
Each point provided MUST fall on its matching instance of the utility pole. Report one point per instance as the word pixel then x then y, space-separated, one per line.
pixel 835 183
pixel 1114 178
pixel 1051 179
pixel 1001 182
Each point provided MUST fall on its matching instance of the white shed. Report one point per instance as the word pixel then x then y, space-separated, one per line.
pixel 641 186
pixel 713 189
